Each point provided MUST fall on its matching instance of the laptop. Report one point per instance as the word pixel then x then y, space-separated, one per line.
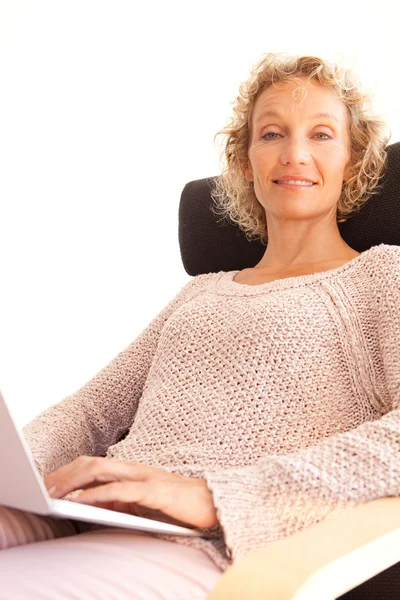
pixel 22 487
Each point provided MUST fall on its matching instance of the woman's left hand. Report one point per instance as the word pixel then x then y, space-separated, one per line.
pixel 135 489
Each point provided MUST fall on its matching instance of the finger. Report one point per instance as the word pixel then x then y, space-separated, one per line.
pixel 57 479
pixel 87 472
pixel 115 505
pixel 130 508
pixel 106 505
pixel 116 492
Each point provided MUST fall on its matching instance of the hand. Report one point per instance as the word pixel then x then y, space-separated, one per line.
pixel 135 489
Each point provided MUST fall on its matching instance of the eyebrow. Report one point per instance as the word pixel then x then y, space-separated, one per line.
pixel 320 115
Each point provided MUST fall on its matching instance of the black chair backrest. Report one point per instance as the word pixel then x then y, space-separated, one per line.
pixel 208 244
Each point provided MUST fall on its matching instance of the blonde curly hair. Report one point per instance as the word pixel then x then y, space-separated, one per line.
pixel 234 196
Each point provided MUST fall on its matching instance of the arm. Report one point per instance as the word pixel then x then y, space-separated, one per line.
pixel 94 417
pixel 283 494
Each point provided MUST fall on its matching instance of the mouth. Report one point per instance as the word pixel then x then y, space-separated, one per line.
pixel 295 186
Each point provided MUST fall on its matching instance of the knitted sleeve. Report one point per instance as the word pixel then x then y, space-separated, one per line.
pixel 94 417
pixel 283 494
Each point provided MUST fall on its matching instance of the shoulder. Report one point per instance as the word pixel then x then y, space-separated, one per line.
pixel 197 285
pixel 384 274
pixel 201 281
pixel 389 249
pixel 387 257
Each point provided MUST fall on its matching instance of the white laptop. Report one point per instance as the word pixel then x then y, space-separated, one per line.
pixel 22 487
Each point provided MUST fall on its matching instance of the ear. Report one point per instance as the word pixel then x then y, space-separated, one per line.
pixel 249 173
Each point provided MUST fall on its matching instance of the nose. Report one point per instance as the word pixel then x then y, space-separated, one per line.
pixel 295 151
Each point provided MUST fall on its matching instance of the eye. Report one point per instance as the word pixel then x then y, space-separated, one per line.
pixel 269 133
pixel 265 136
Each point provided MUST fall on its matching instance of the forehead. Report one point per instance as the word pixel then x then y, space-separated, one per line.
pixel 300 96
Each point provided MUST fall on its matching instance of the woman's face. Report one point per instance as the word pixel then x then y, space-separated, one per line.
pixel 293 139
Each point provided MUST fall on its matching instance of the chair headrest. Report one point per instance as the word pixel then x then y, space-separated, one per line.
pixel 208 244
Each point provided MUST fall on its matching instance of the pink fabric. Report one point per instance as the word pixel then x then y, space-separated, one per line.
pixel 44 558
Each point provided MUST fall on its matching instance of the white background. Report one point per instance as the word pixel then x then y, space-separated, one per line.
pixel 107 109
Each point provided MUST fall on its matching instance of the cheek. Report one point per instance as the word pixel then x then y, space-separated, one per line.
pixel 262 160
pixel 334 152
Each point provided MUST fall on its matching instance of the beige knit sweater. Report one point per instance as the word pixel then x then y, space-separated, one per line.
pixel 284 396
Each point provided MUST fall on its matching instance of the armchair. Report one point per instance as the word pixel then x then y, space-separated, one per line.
pixel 355 556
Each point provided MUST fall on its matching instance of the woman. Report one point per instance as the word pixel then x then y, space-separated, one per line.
pixel 257 402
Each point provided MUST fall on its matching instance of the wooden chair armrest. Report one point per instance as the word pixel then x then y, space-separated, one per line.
pixel 321 562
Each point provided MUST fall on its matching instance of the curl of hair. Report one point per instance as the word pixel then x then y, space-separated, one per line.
pixel 234 197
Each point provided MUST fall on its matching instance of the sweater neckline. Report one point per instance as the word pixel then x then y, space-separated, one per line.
pixel 225 284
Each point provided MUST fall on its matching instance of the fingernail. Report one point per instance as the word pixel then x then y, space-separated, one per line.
pixel 76 495
pixel 52 490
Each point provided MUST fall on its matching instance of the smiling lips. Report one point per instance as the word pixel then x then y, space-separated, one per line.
pixel 293 184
